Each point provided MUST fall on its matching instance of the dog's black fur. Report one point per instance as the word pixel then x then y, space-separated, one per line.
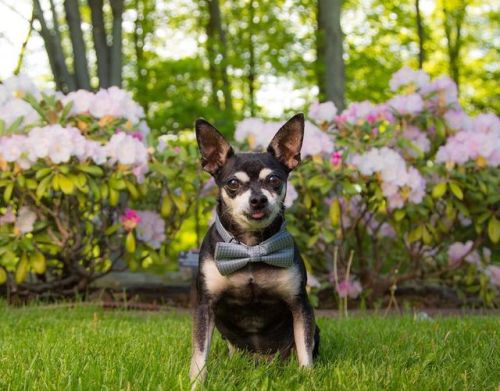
pixel 260 308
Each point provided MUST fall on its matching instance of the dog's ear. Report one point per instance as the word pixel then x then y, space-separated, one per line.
pixel 214 148
pixel 286 144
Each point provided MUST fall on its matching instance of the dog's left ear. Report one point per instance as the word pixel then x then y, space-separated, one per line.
pixel 214 148
pixel 287 143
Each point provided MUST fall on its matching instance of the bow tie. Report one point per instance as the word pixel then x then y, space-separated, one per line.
pixel 232 255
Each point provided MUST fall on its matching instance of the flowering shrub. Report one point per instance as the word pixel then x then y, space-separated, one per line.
pixel 410 185
pixel 68 167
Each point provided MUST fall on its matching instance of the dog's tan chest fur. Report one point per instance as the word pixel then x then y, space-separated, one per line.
pixel 284 282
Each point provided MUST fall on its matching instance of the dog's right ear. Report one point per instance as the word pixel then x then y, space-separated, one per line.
pixel 214 148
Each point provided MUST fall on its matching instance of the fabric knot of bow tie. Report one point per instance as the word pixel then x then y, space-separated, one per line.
pixel 231 255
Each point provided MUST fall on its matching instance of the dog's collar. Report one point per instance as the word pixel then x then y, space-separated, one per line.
pixel 228 237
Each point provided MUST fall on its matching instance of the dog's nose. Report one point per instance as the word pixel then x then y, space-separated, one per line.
pixel 258 201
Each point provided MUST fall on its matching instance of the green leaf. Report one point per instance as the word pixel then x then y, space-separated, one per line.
pixel 456 190
pixel 7 194
pixel 416 234
pixel 66 184
pixel 334 212
pixel 43 172
pixel 399 214
pixel 42 186
pixel 114 197
pixel 494 229
pixel 130 243
pixel 134 193
pixel 166 206
pixel 38 263
pixel 3 276
pixel 22 269
pixel 439 190
pixel 92 170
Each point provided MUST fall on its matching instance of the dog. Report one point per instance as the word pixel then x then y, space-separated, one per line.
pixel 251 280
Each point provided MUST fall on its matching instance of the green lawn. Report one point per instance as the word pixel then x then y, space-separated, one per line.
pixel 87 348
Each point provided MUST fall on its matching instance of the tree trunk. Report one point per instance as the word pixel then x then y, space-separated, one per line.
pixel 420 34
pixel 62 77
pixel 116 48
pixel 212 54
pixel 218 37
pixel 453 22
pixel 100 42
pixel 330 63
pixel 79 51
pixel 251 59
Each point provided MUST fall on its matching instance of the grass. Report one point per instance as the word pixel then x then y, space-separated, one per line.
pixel 87 348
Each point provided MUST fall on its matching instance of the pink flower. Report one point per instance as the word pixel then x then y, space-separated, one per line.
pixel 8 217
pixel 137 135
pixel 407 76
pixel 130 219
pixel 457 251
pixel 350 288
pixel 336 158
pixel 151 228
pixel 407 104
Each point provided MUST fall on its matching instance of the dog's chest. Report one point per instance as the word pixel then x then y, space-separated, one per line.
pixel 254 282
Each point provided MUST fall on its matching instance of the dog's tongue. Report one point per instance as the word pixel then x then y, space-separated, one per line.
pixel 258 215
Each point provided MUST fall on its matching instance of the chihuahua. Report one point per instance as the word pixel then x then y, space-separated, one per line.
pixel 251 280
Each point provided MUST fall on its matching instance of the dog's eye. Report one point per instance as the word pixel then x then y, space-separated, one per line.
pixel 274 181
pixel 233 184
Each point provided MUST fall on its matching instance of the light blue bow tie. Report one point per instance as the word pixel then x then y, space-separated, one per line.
pixel 232 255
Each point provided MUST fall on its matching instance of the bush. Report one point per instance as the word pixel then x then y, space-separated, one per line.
pixel 70 165
pixel 410 186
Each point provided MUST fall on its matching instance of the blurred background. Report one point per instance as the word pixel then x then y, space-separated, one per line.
pixel 397 195
pixel 226 60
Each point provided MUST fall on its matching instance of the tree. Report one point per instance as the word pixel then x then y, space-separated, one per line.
pixel 217 57
pixel 454 16
pixel 330 62
pixel 420 34
pixel 109 56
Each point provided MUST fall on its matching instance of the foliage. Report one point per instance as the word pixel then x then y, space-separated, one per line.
pixel 98 349
pixel 408 181
pixel 70 165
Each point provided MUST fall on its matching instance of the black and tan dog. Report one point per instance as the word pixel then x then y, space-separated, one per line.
pixel 251 283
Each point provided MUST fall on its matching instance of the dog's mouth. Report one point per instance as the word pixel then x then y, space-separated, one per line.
pixel 257 214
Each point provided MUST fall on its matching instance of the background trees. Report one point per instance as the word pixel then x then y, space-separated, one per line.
pixel 227 60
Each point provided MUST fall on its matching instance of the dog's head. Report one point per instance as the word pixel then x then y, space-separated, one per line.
pixel 252 186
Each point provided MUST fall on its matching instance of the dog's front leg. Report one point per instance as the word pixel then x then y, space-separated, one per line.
pixel 203 327
pixel 303 330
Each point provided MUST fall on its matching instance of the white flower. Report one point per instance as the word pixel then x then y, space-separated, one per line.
pixel 16 108
pixel 126 149
pixel 81 100
pixel 151 228
pixel 25 220
pixel 20 85
pixel 407 76
pixel 322 112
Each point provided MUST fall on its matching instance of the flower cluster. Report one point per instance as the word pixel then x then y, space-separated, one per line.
pixel 258 134
pixel 399 182
pixel 151 228
pixel 361 112
pixel 130 219
pixel 59 144
pixel 12 105
pixel 351 288
pixel 484 148
pixel 23 222
pixel 322 112
pixel 111 102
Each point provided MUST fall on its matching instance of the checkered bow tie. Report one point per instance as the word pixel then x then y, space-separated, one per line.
pixel 232 255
